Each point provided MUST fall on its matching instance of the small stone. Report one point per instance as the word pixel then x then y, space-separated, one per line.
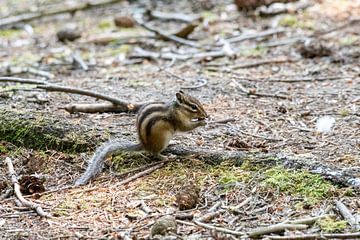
pixel 164 225
pixel 187 197
pixel 68 34
pixel 124 22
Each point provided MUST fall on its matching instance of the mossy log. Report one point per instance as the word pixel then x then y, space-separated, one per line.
pixel 41 131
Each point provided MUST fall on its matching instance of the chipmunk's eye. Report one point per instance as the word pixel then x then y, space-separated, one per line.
pixel 193 107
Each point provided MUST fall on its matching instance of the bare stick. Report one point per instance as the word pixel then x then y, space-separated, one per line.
pixel 345 25
pixel 101 108
pixel 210 216
pixel 276 228
pixel 263 62
pixel 345 212
pixel 139 19
pixel 262 34
pixel 22 80
pixel 174 16
pixel 236 209
pixel 218 229
pixel 52 11
pixel 223 121
pixel 355 235
pixel 308 79
pixel 56 88
pixel 141 174
pixel 307 221
pixel 254 93
pixel 143 168
pixel 78 60
pixel 18 194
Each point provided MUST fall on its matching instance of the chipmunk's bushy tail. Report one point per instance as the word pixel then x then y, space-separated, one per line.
pixel 97 161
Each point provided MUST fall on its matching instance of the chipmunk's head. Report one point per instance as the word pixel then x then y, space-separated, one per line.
pixel 192 108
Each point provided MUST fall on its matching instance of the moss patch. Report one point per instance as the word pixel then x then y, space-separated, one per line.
pixel 330 225
pixel 258 51
pixel 9 33
pixel 298 183
pixel 294 22
pixel 39 132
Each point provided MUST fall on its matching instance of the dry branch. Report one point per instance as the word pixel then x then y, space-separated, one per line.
pixel 124 106
pixel 345 212
pixel 141 174
pixel 218 229
pixel 139 19
pixel 258 94
pixel 355 235
pixel 263 62
pixel 276 228
pixel 53 11
pixel 244 37
pixel 174 16
pixel 18 194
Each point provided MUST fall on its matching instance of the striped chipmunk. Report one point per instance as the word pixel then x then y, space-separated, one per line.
pixel 156 124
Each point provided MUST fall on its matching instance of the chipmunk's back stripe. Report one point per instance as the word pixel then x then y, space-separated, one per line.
pixel 147 110
pixel 153 121
pixel 145 115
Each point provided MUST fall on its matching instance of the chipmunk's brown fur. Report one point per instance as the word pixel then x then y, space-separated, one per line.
pixel 156 124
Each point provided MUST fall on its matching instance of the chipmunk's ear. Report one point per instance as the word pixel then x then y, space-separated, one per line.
pixel 180 97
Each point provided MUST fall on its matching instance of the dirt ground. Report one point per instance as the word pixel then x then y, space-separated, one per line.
pixel 272 90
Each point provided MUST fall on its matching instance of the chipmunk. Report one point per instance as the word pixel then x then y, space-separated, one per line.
pixel 156 124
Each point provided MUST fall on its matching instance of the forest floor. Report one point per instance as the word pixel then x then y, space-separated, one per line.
pixel 276 92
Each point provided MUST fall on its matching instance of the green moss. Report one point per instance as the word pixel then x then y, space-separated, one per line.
pixel 227 173
pixel 37 132
pixel 348 40
pixel 293 22
pixel 124 48
pixel 126 161
pixel 258 51
pixel 330 225
pixel 9 33
pixel 298 183
pixel 105 24
pixel 3 149
pixel 344 112
pixel 209 16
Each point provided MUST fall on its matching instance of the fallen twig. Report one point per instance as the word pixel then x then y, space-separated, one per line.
pixel 100 108
pixel 236 209
pixel 142 173
pixel 79 61
pixel 210 216
pixel 223 121
pixel 56 88
pixel 18 194
pixel 255 93
pixel 355 235
pixel 218 229
pixel 308 79
pixel 276 228
pixel 307 221
pixel 345 25
pixel 11 70
pixel 52 11
pixel 250 36
pixel 263 62
pixel 345 212
pixel 174 16
pixel 142 53
pixel 140 169
pixel 139 19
